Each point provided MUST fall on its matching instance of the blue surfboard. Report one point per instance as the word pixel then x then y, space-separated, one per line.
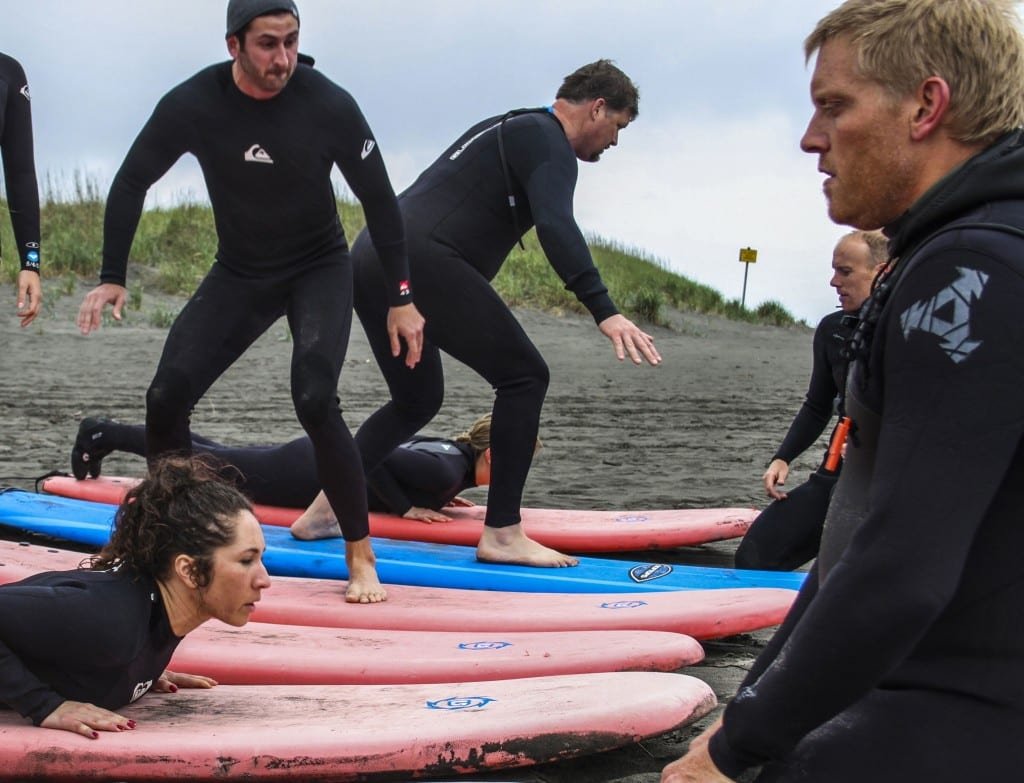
pixel 402 562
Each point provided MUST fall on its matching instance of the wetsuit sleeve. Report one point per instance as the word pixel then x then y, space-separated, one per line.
pixel 19 164
pixel 358 156
pixel 48 624
pixel 951 411
pixel 816 410
pixel 158 146
pixel 408 471
pixel 539 160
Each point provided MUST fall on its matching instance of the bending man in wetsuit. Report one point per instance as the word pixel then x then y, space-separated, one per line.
pixel 267 131
pixel 463 215
pixel 20 180
pixel 415 481
pixel 901 658
pixel 787 533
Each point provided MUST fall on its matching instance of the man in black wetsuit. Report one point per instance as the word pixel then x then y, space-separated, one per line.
pixel 20 179
pixel 267 131
pixel 463 215
pixel 902 657
pixel 787 533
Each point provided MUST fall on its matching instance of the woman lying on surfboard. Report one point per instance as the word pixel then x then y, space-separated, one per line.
pixel 77 645
pixel 416 481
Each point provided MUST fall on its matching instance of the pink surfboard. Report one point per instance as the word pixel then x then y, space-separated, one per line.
pixel 569 530
pixel 360 732
pixel 263 653
pixel 702 614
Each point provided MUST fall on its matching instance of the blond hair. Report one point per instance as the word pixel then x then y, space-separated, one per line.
pixel 478 436
pixel 878 245
pixel 975 46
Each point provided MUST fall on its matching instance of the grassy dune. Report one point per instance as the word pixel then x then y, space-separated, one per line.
pixel 174 247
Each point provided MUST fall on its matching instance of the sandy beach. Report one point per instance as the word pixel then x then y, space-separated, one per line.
pixel 696 431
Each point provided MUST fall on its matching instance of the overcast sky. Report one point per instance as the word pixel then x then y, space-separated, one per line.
pixel 712 164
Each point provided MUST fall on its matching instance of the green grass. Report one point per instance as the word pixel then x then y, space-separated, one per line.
pixel 174 247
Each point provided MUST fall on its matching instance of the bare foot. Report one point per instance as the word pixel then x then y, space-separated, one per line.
pixel 364 586
pixel 317 521
pixel 511 545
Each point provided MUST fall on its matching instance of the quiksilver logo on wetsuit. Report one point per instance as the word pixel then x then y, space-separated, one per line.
pixel 141 689
pixel 948 314
pixel 648 572
pixel 470 140
pixel 368 146
pixel 256 154
pixel 24 91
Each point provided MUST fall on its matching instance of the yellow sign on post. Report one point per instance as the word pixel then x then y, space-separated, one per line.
pixel 748 256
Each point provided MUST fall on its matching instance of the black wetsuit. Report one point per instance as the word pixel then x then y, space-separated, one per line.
pixel 902 658
pixel 19 161
pixel 100 637
pixel 281 251
pixel 460 230
pixel 424 472
pixel 787 533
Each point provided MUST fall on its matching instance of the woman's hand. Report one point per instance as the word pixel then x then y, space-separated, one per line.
pixel 86 719
pixel 170 681
pixel 426 515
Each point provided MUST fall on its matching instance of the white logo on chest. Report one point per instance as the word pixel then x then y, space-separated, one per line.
pixel 256 154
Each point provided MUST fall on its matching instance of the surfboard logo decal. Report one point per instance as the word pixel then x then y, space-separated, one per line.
pixel 648 572
pixel 484 645
pixel 631 518
pixel 623 604
pixel 460 703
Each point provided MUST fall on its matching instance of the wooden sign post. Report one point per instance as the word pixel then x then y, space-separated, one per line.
pixel 748 256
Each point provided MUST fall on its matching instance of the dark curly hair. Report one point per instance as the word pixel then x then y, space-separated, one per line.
pixel 181 507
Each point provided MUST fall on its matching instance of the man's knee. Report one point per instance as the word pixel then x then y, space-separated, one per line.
pixel 531 382
pixel 167 397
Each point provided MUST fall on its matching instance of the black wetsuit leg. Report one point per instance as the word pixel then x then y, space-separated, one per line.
pixel 467 320
pixel 283 475
pixel 909 734
pixel 787 533
pixel 279 475
pixel 223 318
pixel 320 318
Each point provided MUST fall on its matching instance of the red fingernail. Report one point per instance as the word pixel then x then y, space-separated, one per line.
pixel 174 689
pixel 95 735
pixel 131 724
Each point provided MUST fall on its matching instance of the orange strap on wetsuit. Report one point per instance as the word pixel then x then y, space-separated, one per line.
pixel 835 445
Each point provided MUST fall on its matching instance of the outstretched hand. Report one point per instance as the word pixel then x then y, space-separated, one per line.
pixel 774 477
pixel 30 296
pixel 90 314
pixel 628 338
pixel 86 719
pixel 406 323
pixel 170 681
pixel 426 515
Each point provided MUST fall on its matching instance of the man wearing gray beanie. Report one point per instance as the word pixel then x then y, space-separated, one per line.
pixel 267 130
